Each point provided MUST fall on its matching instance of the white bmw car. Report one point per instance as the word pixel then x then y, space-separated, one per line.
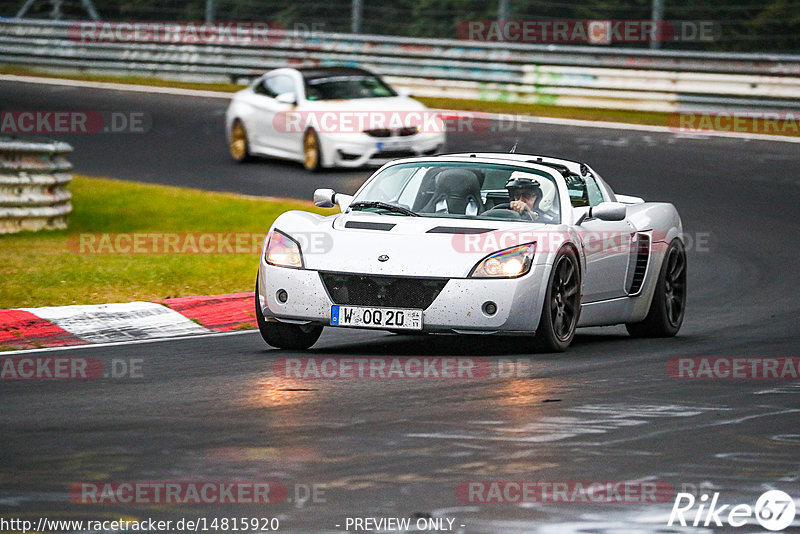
pixel 329 117
pixel 474 244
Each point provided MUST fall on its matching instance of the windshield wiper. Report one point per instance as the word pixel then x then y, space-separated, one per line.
pixel 384 206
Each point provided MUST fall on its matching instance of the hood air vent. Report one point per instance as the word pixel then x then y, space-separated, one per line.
pixel 366 225
pixel 458 230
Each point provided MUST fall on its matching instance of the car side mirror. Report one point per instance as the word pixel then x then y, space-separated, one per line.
pixel 328 198
pixel 609 211
pixel 325 198
pixel 286 98
pixel 403 91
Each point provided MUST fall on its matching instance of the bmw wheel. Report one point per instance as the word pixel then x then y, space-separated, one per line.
pixel 312 153
pixel 238 145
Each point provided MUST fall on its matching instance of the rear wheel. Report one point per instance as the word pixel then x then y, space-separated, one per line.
pixel 238 145
pixel 667 308
pixel 312 155
pixel 285 336
pixel 562 304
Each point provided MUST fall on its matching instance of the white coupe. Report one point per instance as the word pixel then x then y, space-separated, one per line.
pixel 329 117
pixel 474 244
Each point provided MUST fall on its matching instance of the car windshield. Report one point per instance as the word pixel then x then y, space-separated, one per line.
pixel 461 191
pixel 347 88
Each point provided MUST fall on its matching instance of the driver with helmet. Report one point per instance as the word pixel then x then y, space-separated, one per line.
pixel 525 194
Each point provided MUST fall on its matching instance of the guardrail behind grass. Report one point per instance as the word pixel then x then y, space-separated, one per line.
pixel 583 76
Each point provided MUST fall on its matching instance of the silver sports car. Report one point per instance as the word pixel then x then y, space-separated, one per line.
pixel 476 244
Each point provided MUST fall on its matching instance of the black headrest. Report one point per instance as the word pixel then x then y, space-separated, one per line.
pixel 459 182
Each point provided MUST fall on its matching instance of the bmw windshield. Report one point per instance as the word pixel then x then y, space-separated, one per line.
pixel 461 191
pixel 347 88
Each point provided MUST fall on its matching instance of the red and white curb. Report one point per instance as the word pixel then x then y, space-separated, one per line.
pixel 28 328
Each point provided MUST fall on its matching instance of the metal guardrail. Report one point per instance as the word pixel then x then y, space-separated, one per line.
pixel 33 184
pixel 588 76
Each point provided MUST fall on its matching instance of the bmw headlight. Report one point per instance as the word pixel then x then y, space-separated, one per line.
pixel 283 251
pixel 509 263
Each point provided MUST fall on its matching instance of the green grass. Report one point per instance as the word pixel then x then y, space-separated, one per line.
pixel 639 117
pixel 652 118
pixel 19 70
pixel 544 110
pixel 41 269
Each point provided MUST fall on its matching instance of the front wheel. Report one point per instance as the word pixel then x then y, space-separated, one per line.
pixel 667 308
pixel 562 305
pixel 238 146
pixel 285 336
pixel 312 153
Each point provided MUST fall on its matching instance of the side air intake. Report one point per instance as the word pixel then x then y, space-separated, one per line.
pixel 637 264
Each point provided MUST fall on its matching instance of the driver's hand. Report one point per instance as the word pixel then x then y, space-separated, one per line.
pixel 519 206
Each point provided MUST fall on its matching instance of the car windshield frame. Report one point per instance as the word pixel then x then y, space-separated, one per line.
pixel 411 187
pixel 316 85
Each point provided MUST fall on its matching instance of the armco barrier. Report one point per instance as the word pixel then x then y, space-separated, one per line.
pixel 591 76
pixel 33 184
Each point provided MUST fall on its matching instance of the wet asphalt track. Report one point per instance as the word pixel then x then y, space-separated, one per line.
pixel 211 409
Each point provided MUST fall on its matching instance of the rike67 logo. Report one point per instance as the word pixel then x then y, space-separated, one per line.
pixel 774 510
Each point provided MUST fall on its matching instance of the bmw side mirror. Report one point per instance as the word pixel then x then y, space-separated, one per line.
pixel 325 198
pixel 286 98
pixel 608 211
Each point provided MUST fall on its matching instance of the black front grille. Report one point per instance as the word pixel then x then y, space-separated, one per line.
pixel 347 157
pixel 386 132
pixel 395 154
pixel 379 132
pixel 391 291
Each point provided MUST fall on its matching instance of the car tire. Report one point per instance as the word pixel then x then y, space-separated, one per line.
pixel 312 151
pixel 283 335
pixel 562 304
pixel 668 306
pixel 238 145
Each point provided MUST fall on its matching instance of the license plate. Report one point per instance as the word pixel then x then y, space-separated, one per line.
pixel 383 145
pixel 364 317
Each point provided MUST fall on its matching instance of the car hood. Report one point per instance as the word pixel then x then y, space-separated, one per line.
pixel 403 246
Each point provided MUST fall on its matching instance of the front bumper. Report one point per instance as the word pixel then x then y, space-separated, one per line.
pixel 457 308
pixel 361 150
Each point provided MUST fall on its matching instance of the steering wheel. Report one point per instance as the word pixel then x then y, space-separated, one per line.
pixel 529 215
